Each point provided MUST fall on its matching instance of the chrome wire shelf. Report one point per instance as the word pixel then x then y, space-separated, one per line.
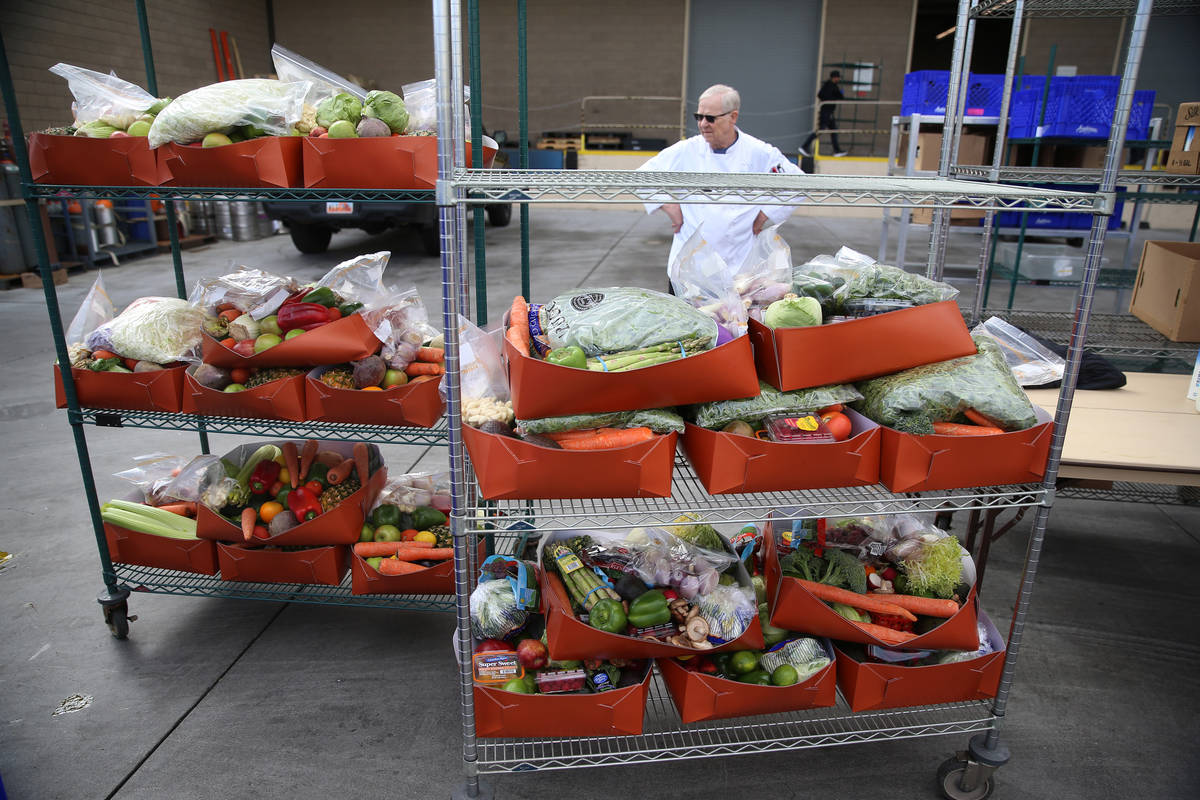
pixel 155 580
pixel 1082 8
pixel 667 738
pixel 689 495
pixel 1109 335
pixel 1125 177
pixel 631 186
pixel 47 190
pixel 277 428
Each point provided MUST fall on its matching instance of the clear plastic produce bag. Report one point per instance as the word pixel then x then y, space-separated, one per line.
pixel 851 275
pixel 292 67
pixel 617 319
pixel 481 364
pixel 104 98
pixel 660 559
pixel 187 484
pixel 727 609
pixel 156 329
pixel 153 473
pixel 719 413
pixel 1031 362
pixel 659 420
pixel 701 277
pixel 270 106
pixel 95 310
pixel 403 326
pixel 420 98
pixel 417 489
pixel 766 274
pixel 253 291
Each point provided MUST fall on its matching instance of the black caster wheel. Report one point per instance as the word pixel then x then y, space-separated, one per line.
pixel 117 618
pixel 949 775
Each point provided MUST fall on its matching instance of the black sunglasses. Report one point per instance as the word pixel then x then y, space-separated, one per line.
pixel 710 118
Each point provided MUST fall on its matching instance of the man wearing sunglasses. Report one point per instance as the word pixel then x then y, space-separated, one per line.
pixel 721 147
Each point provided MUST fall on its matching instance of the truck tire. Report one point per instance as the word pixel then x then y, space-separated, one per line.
pixel 310 239
pixel 499 214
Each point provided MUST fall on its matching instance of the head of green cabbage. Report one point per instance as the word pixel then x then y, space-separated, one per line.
pixel 342 106
pixel 793 312
pixel 387 107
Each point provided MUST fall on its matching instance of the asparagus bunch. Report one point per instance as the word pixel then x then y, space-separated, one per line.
pixel 646 356
pixel 584 586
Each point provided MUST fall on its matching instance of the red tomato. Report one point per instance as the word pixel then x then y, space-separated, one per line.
pixel 239 374
pixel 488 645
pixel 316 487
pixel 839 425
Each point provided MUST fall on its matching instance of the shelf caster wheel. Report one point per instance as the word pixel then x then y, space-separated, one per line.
pixel 116 611
pixel 950 778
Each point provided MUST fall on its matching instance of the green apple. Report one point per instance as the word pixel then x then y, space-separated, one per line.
pixel 367 534
pixel 293 333
pixel 374 561
pixel 266 341
pixel 235 387
pixel 216 140
pixel 342 129
pixel 388 533
pixel 394 377
pixel 139 128
pixel 270 325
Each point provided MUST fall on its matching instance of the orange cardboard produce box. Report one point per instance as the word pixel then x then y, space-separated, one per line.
pixel 325 566
pixel 161 390
pixel 542 389
pixel 83 161
pixel 793 608
pixel 345 339
pixel 869 685
pixel 700 696
pixel 510 468
pixel 844 352
pixel 730 462
pixel 569 638
pixel 383 162
pixel 438 579
pixel 143 549
pixel 340 525
pixel 911 463
pixel 618 712
pixel 416 404
pixel 281 399
pixel 266 162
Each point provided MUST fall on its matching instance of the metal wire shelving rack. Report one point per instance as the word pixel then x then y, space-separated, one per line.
pixel 666 738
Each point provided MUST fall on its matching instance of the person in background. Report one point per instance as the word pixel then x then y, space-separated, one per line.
pixel 721 147
pixel 827 115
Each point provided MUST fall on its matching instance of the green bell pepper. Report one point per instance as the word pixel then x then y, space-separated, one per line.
pixel 569 356
pixel 386 514
pixel 347 309
pixel 649 609
pixel 608 615
pixel 322 295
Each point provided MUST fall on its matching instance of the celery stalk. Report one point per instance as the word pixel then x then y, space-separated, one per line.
pixel 148 523
pixel 167 518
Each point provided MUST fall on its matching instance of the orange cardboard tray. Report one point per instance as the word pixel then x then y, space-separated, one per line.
pixel 618 712
pixel 391 162
pixel 266 162
pixel 700 696
pixel 911 463
pixel 325 566
pixel 281 399
pixel 870 685
pixel 730 462
pixel 510 468
pixel 161 390
pixel 569 638
pixel 341 525
pixel 416 404
pixel 82 161
pixel 438 579
pixel 130 547
pixel 541 389
pixel 345 339
pixel 793 608
pixel 844 352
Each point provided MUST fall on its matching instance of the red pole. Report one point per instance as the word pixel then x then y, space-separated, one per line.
pixel 228 59
pixel 216 55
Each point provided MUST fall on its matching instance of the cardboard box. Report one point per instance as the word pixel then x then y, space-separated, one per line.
pixel 1166 293
pixel 1184 156
pixel 793 608
pixel 266 162
pixel 973 148
pixel 416 404
pixel 958 216
pixel 844 352
pixel 161 390
pixel 33 280
pixel 130 547
pixel 910 463
pixel 618 712
pixel 730 462
pixel 345 339
pixel 324 566
pixel 510 468
pixel 392 162
pixel 82 161
pixel 281 399
pixel 542 389
pixel 700 696
pixel 870 685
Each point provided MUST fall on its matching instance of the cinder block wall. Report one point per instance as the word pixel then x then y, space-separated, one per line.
pixel 38 35
pixel 1089 45
pixel 871 31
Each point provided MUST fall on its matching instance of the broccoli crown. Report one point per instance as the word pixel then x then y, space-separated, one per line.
pixel 804 563
pixel 853 573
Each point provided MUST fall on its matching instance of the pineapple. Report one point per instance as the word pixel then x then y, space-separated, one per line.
pixel 268 374
pixel 338 378
pixel 336 494
pixel 442 532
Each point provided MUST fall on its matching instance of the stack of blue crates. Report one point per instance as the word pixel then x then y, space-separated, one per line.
pixel 926 91
pixel 1077 107
pixel 1061 220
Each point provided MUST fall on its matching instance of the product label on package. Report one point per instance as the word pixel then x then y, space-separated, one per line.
pixel 497 666
pixel 568 563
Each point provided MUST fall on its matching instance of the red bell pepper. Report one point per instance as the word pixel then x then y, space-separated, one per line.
pixel 304 504
pixel 302 315
pixel 265 474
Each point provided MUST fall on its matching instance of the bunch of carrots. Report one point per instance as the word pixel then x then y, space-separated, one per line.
pixel 517 332
pixel 600 438
pixel 430 364
pixel 982 426
pixel 904 606
pixel 398 557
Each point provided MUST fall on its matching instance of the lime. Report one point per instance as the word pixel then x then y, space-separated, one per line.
pixel 784 675
pixel 520 686
pixel 743 661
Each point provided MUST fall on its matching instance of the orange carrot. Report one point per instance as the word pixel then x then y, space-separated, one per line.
pixel 291 456
pixel 393 566
pixel 427 554
pixel 927 606
pixel 183 509
pixel 339 473
pixel 249 520
pixel 861 601
pixel 980 419
pixel 606 438
pixel 578 433
pixel 830 409
pixel 886 635
pixel 422 379
pixel 307 455
pixel 514 338
pixel 954 429
pixel 369 549
pixel 423 368
pixel 98 354
pixel 432 354
pixel 362 460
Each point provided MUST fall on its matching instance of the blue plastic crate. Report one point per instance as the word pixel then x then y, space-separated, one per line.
pixel 1060 220
pixel 925 92
pixel 1023 113
pixel 1139 115
pixel 1084 106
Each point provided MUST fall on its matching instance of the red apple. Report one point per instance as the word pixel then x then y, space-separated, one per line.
pixel 532 654
pixel 488 645
pixel 244 348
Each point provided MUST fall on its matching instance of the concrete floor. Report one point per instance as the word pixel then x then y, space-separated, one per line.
pixel 217 698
